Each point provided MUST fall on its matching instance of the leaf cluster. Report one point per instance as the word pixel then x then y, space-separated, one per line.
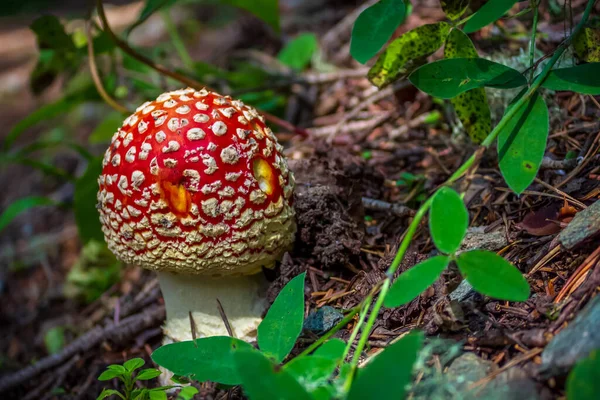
pixel 128 376
pixel 266 372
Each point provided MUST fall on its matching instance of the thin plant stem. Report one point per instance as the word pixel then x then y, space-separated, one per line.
pixel 535 5
pixel 410 232
pixel 96 76
pixel 178 77
pixel 176 39
pixel 141 58
pixel 366 304
pixel 466 166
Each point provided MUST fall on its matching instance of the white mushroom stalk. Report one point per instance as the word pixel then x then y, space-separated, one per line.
pixel 242 298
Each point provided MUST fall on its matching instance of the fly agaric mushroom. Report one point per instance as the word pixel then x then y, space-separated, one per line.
pixel 195 186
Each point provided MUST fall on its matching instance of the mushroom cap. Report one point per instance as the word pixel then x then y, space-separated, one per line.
pixel 196 183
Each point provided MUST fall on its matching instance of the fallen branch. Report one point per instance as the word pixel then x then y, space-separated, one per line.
pixel 115 333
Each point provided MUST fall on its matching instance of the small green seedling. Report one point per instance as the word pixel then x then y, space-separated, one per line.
pixel 126 374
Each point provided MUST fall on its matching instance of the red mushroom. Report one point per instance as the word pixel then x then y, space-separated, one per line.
pixel 195 186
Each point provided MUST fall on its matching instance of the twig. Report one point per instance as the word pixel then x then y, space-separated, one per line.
pixel 315 78
pixel 96 77
pixel 588 157
pixel 224 318
pixel 375 97
pixel 116 333
pixel 52 380
pixel 561 193
pixel 399 210
pixel 519 359
pixel 178 77
pixel 356 126
pixel 550 163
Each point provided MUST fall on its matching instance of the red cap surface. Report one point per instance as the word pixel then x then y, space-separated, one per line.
pixel 195 182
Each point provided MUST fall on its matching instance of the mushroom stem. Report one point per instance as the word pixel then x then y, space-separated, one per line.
pixel 242 297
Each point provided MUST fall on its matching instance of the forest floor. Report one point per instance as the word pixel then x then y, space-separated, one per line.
pixel 370 159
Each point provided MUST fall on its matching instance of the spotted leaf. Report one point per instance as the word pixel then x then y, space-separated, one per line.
pixel 454 8
pixel 407 52
pixel 587 44
pixel 471 107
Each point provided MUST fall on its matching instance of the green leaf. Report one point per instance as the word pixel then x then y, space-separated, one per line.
pixel 49 144
pixel 150 7
pixel 86 214
pixel 407 52
pixel 118 368
pixel 43 113
pixel 414 281
pixel 386 376
pixel 448 220
pixel 332 349
pixel 374 27
pixel 471 106
pixel 20 205
pixel 47 169
pixel 139 394
pixel 298 52
pixel 187 393
pixel 50 33
pixel 206 359
pixel 522 142
pixel 450 77
pixel 587 44
pixel 157 395
pixel 584 79
pixel 267 10
pixel 54 339
pixel 133 364
pixel 109 392
pixel 105 130
pixel 583 382
pixel 147 374
pixel 312 372
pixel 282 325
pixel 261 379
pixel 492 275
pixel 454 9
pixel 57 53
pixel 109 374
pixel 488 13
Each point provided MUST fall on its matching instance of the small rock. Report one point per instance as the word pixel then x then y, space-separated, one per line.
pixel 584 225
pixel 478 238
pixel 575 342
pixel 513 384
pixel 462 291
pixel 322 320
pixel 468 369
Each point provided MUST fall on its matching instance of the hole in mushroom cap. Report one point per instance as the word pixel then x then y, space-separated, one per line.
pixel 263 173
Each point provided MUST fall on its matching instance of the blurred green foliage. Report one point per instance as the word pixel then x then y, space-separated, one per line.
pixel 95 271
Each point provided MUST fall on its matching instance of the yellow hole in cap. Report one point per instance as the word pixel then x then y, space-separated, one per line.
pixel 263 173
pixel 176 196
